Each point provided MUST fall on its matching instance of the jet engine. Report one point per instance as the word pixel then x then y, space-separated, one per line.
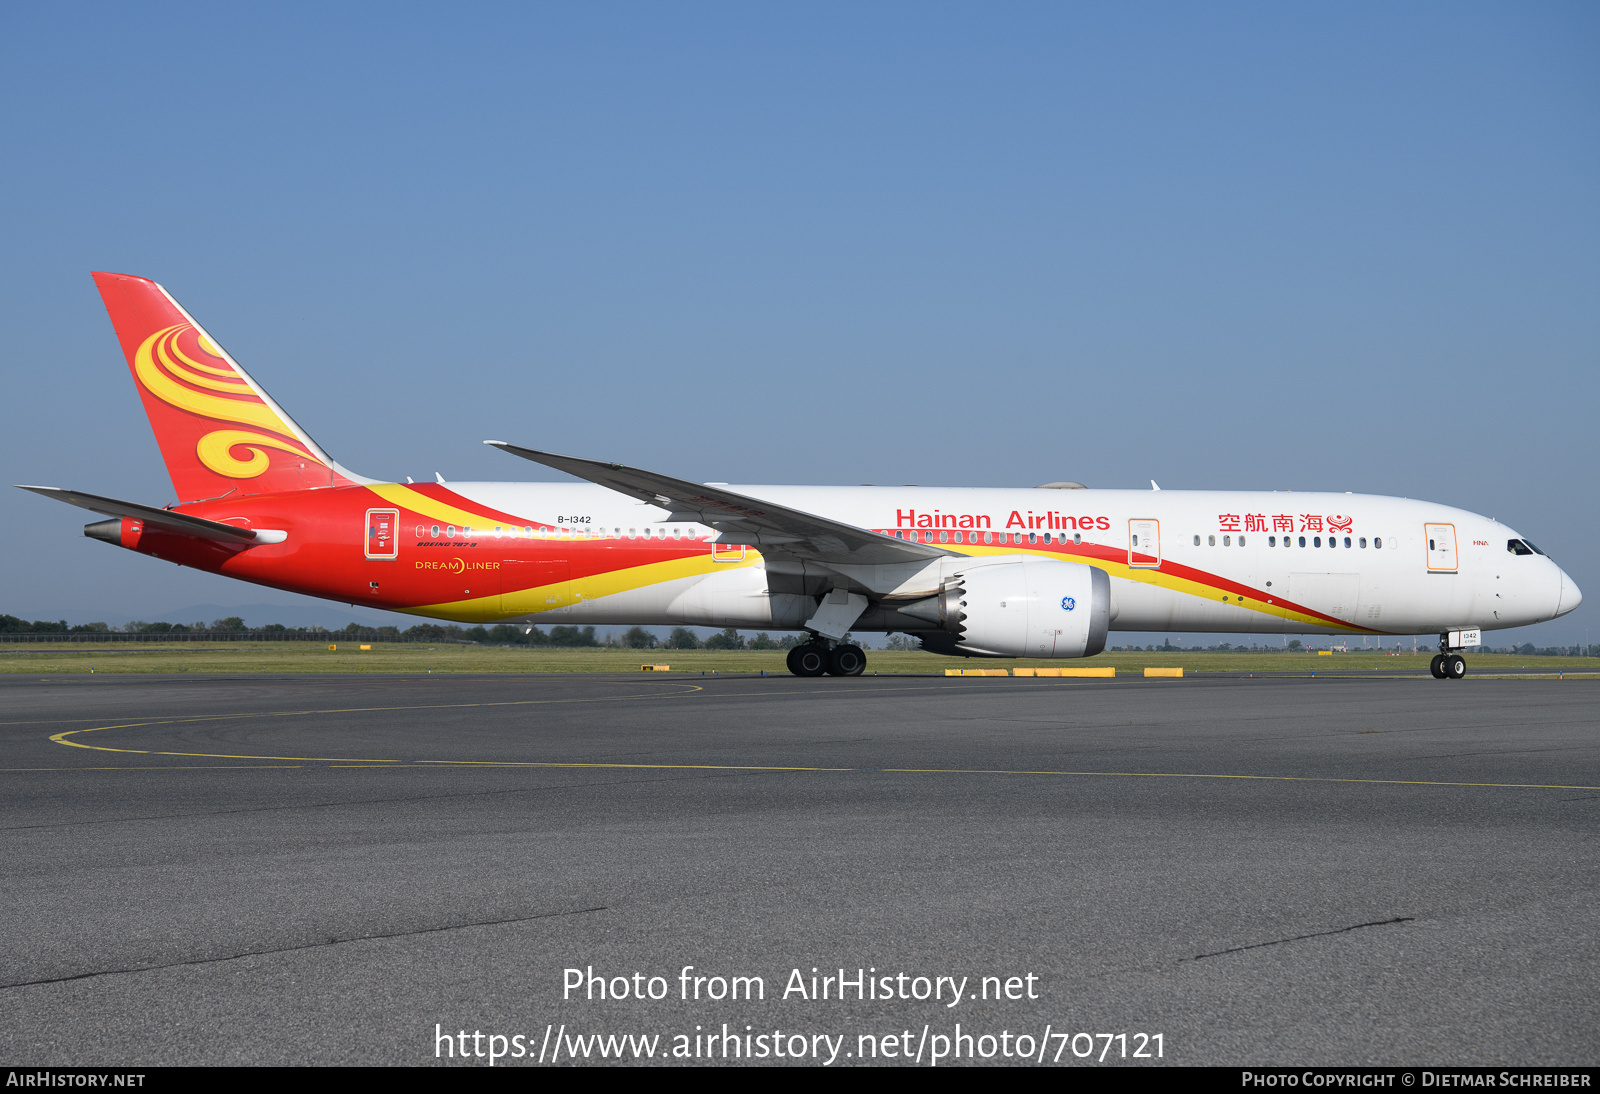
pixel 1030 607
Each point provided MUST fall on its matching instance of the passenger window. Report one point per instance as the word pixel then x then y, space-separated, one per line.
pixel 1227 541
pixel 1431 547
pixel 1377 542
pixel 435 532
pixel 1347 541
pixel 1197 541
pixel 1363 542
pixel 1241 541
pixel 1302 541
pixel 988 537
pixel 1272 541
pixel 1078 538
pixel 1211 541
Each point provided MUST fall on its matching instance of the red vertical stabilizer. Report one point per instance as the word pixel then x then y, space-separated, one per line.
pixel 219 432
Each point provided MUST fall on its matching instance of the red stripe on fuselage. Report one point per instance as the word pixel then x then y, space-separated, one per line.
pixel 1119 556
pixel 324 553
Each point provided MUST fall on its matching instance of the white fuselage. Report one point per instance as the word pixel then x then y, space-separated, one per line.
pixel 1206 561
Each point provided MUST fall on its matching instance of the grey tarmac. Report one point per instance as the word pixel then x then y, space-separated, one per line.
pixel 329 869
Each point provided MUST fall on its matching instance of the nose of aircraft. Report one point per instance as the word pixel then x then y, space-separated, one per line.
pixel 1571 596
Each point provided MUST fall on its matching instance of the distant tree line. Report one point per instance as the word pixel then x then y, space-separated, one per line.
pixel 503 634
pixel 682 638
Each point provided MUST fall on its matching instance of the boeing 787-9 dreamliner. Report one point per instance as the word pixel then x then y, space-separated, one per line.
pixel 1045 572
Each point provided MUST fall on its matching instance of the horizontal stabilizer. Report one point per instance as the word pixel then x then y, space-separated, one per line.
pixel 775 530
pixel 150 514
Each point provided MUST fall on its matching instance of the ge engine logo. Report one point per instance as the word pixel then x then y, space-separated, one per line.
pixel 1067 603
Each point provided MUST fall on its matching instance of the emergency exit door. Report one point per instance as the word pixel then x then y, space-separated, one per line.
pixel 1144 543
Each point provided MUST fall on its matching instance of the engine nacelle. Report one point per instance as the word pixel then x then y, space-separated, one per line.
pixel 1030 607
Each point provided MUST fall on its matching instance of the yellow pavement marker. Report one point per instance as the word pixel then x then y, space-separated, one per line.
pixel 1098 671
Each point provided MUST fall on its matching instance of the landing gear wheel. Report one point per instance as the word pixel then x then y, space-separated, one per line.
pixel 1436 666
pixel 1455 667
pixel 808 660
pixel 847 661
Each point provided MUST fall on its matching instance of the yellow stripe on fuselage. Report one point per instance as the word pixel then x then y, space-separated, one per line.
pixel 535 600
pixel 546 598
pixel 396 494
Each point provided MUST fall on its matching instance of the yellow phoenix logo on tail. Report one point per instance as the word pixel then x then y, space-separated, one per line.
pixel 173 376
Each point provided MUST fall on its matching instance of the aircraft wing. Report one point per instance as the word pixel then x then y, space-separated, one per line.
pixel 111 507
pixel 775 530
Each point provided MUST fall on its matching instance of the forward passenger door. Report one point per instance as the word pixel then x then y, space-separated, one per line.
pixel 1441 548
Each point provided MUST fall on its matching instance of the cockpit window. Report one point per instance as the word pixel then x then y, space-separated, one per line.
pixel 1518 547
pixel 1533 546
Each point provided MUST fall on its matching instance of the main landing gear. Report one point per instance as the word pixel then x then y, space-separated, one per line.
pixel 815 658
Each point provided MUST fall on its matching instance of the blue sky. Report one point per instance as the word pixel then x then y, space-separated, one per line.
pixel 1345 247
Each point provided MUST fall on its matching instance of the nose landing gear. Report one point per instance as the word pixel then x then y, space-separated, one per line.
pixel 1447 665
